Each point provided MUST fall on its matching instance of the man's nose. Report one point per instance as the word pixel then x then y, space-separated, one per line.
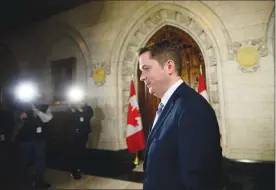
pixel 142 77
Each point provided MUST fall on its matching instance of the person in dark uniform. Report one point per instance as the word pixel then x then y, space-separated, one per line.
pixel 80 115
pixel 29 133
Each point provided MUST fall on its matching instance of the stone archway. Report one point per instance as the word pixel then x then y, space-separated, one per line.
pixel 270 33
pixel 57 31
pixel 206 30
pixel 60 30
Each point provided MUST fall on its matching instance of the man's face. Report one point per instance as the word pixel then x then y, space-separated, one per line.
pixel 153 74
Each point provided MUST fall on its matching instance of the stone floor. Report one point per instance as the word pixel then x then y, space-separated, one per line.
pixel 62 180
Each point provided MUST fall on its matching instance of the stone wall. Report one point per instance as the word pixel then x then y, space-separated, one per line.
pixel 105 35
pixel 249 95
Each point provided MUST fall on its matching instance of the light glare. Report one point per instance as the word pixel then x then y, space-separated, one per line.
pixel 75 94
pixel 26 92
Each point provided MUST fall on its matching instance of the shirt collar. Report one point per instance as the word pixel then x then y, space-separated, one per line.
pixel 170 91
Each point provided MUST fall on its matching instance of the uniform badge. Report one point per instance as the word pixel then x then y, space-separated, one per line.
pixel 38 130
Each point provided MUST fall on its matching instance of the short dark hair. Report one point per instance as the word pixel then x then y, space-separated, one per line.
pixel 163 51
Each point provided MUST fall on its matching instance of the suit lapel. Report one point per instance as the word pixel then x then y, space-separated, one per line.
pixel 157 127
pixel 161 119
pixel 165 112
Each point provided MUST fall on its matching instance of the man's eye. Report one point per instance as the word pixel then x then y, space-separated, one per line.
pixel 146 69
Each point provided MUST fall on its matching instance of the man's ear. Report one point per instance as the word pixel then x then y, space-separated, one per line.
pixel 170 66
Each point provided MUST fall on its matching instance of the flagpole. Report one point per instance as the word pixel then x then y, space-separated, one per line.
pixel 132 78
pixel 136 161
pixel 135 142
pixel 200 69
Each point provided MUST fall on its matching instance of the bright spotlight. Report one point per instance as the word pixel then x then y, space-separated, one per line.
pixel 75 94
pixel 26 92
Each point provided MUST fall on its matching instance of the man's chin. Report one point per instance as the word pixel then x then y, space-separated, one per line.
pixel 151 91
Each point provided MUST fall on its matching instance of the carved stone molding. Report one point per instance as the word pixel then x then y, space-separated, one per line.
pixel 247 53
pixel 214 97
pixel 127 69
pixel 161 18
pixel 214 79
pixel 261 46
pixel 185 15
pixel 232 50
pixel 213 60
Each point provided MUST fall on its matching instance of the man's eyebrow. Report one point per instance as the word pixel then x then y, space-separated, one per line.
pixel 145 66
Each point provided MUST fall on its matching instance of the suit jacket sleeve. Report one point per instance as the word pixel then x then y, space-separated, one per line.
pixel 198 151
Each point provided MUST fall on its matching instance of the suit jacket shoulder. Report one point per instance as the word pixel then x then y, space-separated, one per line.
pixel 186 98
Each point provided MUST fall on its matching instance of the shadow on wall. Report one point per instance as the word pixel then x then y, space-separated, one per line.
pixel 96 128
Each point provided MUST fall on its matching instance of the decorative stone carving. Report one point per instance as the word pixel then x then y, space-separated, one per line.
pixel 127 70
pixel 184 11
pixel 248 58
pixel 156 18
pixel 128 67
pixel 232 48
pixel 213 60
pixel 132 48
pixel 214 78
pixel 144 28
pixel 138 34
pixel 178 16
pixel 171 14
pixel 163 14
pixel 203 36
pixel 214 97
pixel 194 26
pixel 182 19
pixel 261 46
pixel 99 72
pixel 247 53
pixel 130 55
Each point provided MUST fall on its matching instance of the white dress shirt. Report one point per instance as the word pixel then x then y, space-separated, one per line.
pixel 167 96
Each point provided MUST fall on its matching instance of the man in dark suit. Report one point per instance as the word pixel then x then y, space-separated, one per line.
pixel 183 149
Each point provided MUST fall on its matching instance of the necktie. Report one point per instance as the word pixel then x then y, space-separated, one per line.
pixel 160 109
pixel 158 113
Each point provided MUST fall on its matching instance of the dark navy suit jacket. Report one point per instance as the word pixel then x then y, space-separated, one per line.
pixel 183 149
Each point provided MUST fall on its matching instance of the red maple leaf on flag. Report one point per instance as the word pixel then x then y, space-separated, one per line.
pixel 134 133
pixel 132 115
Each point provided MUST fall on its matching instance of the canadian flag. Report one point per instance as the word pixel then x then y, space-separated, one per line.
pixel 134 133
pixel 201 87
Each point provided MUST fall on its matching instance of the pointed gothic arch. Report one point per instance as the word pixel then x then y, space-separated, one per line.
pixel 206 29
